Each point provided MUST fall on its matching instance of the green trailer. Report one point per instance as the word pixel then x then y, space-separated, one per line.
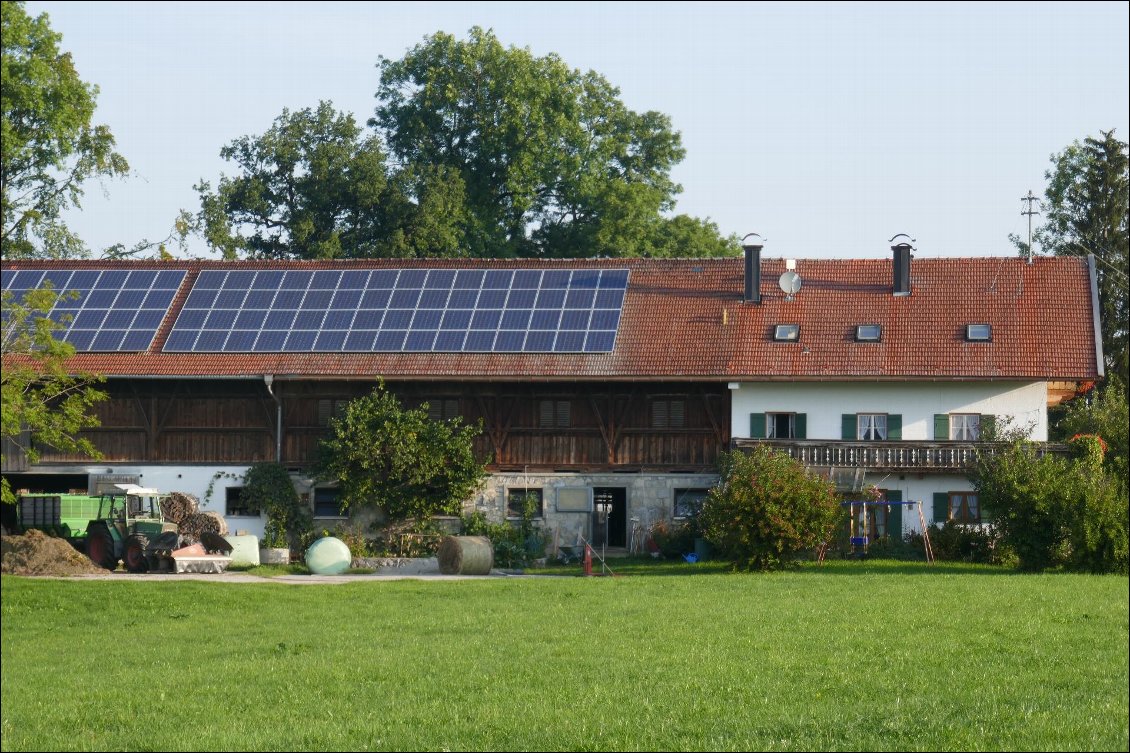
pixel 65 515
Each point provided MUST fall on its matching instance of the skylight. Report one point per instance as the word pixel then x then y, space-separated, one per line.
pixel 869 333
pixel 979 332
pixel 786 332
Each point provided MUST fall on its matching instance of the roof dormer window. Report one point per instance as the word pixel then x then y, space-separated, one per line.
pixel 786 332
pixel 869 333
pixel 979 332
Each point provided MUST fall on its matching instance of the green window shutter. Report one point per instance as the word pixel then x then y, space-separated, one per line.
pixel 988 425
pixel 757 425
pixel 941 507
pixel 894 427
pixel 800 425
pixel 849 427
pixel 941 427
pixel 894 517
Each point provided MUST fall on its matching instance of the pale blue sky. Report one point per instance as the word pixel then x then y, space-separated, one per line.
pixel 827 128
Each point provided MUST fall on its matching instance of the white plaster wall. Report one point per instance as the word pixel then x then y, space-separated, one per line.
pixel 190 479
pixel 1024 403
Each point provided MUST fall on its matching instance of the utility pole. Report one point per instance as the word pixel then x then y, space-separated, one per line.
pixel 1030 199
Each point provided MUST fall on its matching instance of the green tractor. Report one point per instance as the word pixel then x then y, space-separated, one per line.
pixel 130 527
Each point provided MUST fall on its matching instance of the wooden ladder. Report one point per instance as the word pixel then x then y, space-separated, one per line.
pixel 925 535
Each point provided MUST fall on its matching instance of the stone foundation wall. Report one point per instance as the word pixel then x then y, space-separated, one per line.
pixel 650 497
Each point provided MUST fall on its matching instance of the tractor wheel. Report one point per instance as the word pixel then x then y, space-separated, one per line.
pixel 100 548
pixel 134 553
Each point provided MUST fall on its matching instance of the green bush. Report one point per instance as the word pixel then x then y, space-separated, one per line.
pixel 953 542
pixel 515 544
pixel 674 539
pixel 1055 512
pixel 767 510
pixel 268 487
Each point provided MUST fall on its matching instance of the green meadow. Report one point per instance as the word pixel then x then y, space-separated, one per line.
pixel 844 656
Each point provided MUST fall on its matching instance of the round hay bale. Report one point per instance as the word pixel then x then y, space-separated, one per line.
pixel 465 555
pixel 328 556
pixel 178 506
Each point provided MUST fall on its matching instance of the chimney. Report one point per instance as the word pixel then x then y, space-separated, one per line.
pixel 752 271
pixel 900 265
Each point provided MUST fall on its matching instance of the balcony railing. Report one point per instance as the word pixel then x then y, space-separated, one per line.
pixel 917 456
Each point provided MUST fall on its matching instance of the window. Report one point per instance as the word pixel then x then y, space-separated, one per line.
pixel 443 409
pixel 780 425
pixel 330 408
pixel 872 427
pixel 327 503
pixel 786 332
pixel 668 414
pixel 979 332
pixel 555 414
pixel 965 427
pixel 688 502
pixel 964 507
pixel 517 499
pixel 869 333
pixel 235 506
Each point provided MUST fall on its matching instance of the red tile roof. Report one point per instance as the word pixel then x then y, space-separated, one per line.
pixel 685 319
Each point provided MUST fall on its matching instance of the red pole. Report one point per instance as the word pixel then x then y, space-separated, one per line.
pixel 588 560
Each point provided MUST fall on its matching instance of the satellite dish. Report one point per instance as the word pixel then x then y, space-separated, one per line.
pixel 790 283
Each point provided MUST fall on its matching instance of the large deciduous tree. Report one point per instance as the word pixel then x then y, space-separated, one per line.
pixel 1087 205
pixel 314 187
pixel 43 402
pixel 395 458
pixel 554 164
pixel 48 145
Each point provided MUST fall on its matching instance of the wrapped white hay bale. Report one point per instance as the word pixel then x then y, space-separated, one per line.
pixel 465 555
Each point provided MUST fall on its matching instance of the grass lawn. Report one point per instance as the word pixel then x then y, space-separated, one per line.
pixel 846 656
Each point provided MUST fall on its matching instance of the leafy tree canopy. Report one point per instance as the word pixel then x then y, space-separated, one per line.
pixel 314 187
pixel 43 404
pixel 554 164
pixel 395 458
pixel 48 145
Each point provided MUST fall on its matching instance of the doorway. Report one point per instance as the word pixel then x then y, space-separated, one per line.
pixel 610 502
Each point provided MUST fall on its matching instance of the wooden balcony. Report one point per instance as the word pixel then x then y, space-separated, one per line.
pixel 912 456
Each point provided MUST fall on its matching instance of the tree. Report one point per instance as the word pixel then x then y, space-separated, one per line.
pixel 767 510
pixel 48 145
pixel 1087 204
pixel 312 187
pixel 553 162
pixel 44 404
pixel 384 455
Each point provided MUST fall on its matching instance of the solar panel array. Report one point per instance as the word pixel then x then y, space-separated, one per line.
pixel 401 310
pixel 116 310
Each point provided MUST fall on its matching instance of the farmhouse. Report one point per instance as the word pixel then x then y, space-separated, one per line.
pixel 608 385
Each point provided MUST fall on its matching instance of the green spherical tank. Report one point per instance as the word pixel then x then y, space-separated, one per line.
pixel 328 556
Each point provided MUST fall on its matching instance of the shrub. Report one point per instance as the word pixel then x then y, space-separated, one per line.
pixel 673 539
pixel 1054 512
pixel 267 487
pixel 515 545
pixel 767 510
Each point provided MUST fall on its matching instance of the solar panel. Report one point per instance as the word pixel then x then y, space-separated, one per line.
pixel 117 310
pixel 402 311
